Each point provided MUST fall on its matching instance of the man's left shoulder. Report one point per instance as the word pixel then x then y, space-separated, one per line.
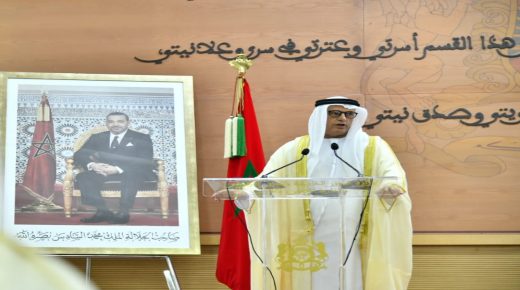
pixel 375 138
pixel 138 134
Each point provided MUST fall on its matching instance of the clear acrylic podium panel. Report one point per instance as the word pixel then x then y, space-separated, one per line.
pixel 294 188
pixel 343 197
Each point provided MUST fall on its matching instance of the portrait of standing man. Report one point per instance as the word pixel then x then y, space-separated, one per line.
pixel 117 154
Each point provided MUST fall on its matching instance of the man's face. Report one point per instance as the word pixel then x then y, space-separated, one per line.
pixel 337 126
pixel 117 124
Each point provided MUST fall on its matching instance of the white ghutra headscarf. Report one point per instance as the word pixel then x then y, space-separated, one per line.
pixel 321 160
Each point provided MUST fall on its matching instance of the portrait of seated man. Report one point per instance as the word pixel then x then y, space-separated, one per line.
pixel 117 154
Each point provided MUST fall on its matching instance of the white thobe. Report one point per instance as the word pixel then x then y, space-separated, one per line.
pixel 326 215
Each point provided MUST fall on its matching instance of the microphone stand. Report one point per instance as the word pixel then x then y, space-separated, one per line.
pixel 335 147
pixel 304 153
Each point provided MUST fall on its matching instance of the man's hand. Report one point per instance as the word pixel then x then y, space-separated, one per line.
pixel 389 193
pixel 230 194
pixel 104 169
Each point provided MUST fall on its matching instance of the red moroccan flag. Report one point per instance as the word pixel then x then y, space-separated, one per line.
pixel 233 264
pixel 40 174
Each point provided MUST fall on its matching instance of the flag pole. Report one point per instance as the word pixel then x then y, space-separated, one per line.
pixel 242 64
pixel 234 260
pixel 234 133
pixel 41 206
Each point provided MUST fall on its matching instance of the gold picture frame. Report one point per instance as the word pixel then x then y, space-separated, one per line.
pixel 160 106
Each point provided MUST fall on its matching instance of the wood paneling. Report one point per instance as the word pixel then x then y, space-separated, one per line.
pixel 455 185
pixel 435 267
pixel 466 267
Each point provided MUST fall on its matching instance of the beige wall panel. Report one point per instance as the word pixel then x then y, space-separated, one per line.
pixel 99 37
pixel 105 36
pixel 461 178
pixel 435 267
pixel 467 70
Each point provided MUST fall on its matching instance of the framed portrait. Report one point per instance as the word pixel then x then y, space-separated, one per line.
pixel 99 164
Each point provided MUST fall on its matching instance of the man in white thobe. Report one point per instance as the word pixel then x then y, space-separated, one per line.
pixel 381 256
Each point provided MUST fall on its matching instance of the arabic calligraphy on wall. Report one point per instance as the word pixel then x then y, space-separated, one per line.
pixel 506 116
pixel 290 51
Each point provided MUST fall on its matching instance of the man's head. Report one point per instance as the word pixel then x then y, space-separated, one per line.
pixel 340 115
pixel 117 122
pixel 339 120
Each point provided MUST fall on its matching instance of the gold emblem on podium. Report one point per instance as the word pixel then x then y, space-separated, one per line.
pixel 305 254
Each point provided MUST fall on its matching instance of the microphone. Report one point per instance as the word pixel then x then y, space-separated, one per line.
pixel 335 147
pixel 304 153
